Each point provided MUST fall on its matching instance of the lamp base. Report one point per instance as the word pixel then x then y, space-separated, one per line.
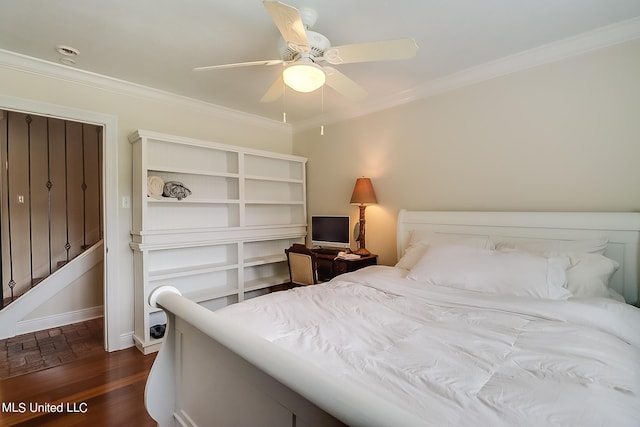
pixel 362 252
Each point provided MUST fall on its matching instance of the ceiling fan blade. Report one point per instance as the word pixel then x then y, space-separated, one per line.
pixel 343 84
pixel 289 22
pixel 240 64
pixel 386 50
pixel 275 91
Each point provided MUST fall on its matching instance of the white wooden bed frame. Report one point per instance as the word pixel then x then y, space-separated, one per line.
pixel 210 372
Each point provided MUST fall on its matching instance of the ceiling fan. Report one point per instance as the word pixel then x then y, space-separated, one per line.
pixel 307 55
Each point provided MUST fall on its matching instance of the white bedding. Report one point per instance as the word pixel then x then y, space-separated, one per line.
pixel 462 358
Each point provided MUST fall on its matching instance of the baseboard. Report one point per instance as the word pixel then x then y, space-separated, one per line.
pixel 126 341
pixel 56 320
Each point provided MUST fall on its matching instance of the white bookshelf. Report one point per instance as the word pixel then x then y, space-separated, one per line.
pixel 223 243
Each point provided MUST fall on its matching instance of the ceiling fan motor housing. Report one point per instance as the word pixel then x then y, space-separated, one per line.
pixel 317 42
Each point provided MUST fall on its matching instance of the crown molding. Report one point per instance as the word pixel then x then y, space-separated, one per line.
pixel 27 64
pixel 553 52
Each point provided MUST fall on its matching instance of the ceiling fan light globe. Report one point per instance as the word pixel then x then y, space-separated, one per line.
pixel 305 77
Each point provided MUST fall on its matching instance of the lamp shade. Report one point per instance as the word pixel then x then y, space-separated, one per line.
pixel 304 76
pixel 363 192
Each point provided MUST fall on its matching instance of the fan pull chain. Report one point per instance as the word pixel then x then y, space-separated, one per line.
pixel 322 104
pixel 284 103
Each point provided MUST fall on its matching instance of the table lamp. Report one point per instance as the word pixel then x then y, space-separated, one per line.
pixel 363 194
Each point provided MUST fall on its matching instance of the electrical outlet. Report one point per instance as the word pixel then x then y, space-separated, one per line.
pixel 20 198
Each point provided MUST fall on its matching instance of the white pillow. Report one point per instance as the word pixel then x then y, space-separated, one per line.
pixel 589 272
pixel 616 296
pixel 411 256
pixel 420 240
pixel 485 270
pixel 542 246
pixel 589 275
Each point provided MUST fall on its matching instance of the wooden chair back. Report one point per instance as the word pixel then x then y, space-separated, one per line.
pixel 303 265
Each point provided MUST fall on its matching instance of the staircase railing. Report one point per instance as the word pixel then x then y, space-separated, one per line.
pixel 62 191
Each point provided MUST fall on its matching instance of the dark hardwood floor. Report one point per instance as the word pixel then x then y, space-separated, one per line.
pixel 99 389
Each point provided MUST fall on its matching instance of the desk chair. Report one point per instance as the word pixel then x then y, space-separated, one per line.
pixel 303 265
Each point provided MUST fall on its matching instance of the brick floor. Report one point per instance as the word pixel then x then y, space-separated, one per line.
pixel 43 349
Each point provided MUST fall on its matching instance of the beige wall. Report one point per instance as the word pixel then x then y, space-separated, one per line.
pixel 558 137
pixel 138 111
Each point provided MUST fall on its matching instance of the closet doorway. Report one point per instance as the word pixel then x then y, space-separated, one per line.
pixel 51 210
pixel 95 206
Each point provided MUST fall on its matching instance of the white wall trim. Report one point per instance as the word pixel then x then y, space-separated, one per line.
pixel 56 320
pixel 27 64
pixel 126 340
pixel 553 52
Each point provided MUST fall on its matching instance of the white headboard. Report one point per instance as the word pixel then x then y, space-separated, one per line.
pixel 622 230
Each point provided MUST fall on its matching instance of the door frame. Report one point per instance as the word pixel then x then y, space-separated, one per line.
pixel 109 123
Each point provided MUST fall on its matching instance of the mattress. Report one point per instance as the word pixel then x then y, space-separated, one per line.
pixel 462 358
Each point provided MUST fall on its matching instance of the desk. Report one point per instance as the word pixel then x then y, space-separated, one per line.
pixel 329 267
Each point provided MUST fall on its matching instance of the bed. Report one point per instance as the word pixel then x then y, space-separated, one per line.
pixel 487 319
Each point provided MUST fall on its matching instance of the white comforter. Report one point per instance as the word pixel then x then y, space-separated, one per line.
pixel 461 358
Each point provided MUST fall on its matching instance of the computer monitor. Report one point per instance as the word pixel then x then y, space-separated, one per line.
pixel 330 231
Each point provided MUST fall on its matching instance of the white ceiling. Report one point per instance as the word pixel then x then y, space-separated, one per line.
pixel 156 43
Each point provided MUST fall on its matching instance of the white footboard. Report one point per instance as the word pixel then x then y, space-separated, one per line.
pixel 213 373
